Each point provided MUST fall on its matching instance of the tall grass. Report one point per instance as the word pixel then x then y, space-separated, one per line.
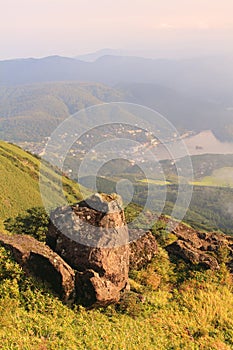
pixel 194 314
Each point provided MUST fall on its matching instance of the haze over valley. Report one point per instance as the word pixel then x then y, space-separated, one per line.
pixel 116 175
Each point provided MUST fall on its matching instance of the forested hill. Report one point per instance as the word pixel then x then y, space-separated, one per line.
pixel 32 112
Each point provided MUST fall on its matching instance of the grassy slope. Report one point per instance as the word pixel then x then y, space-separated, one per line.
pixel 19 185
pixel 188 310
pixel 222 177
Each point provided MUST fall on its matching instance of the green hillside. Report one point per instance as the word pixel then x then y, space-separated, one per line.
pixel 212 193
pixel 222 177
pixel 19 185
pixel 31 112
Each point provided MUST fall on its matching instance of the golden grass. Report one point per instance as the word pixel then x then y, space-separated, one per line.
pixel 195 314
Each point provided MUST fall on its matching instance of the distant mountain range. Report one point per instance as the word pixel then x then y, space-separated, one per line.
pixel 93 56
pixel 194 94
pixel 208 77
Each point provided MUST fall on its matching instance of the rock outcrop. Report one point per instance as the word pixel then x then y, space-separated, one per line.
pixel 38 259
pixel 204 248
pixel 90 250
pixel 192 255
pixel 92 237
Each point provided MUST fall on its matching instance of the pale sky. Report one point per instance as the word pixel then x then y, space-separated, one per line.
pixel 36 28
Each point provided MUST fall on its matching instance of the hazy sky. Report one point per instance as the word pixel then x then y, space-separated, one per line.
pixel 151 27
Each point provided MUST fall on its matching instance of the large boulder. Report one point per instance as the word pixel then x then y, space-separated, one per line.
pixel 92 237
pixel 38 259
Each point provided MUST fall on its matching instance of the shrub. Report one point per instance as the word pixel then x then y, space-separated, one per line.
pixel 33 223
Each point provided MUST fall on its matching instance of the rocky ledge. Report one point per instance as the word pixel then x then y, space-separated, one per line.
pixel 207 249
pixel 87 255
pixel 89 250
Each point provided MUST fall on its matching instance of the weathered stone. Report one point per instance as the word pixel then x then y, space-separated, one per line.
pixel 203 248
pixel 105 203
pixel 38 259
pixel 94 241
pixel 191 255
pixel 94 290
pixel 143 248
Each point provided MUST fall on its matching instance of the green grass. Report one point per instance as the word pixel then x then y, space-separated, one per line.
pixel 155 182
pixel 19 185
pixel 196 313
pixel 222 177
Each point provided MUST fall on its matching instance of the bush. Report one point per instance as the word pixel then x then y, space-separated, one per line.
pixel 34 223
